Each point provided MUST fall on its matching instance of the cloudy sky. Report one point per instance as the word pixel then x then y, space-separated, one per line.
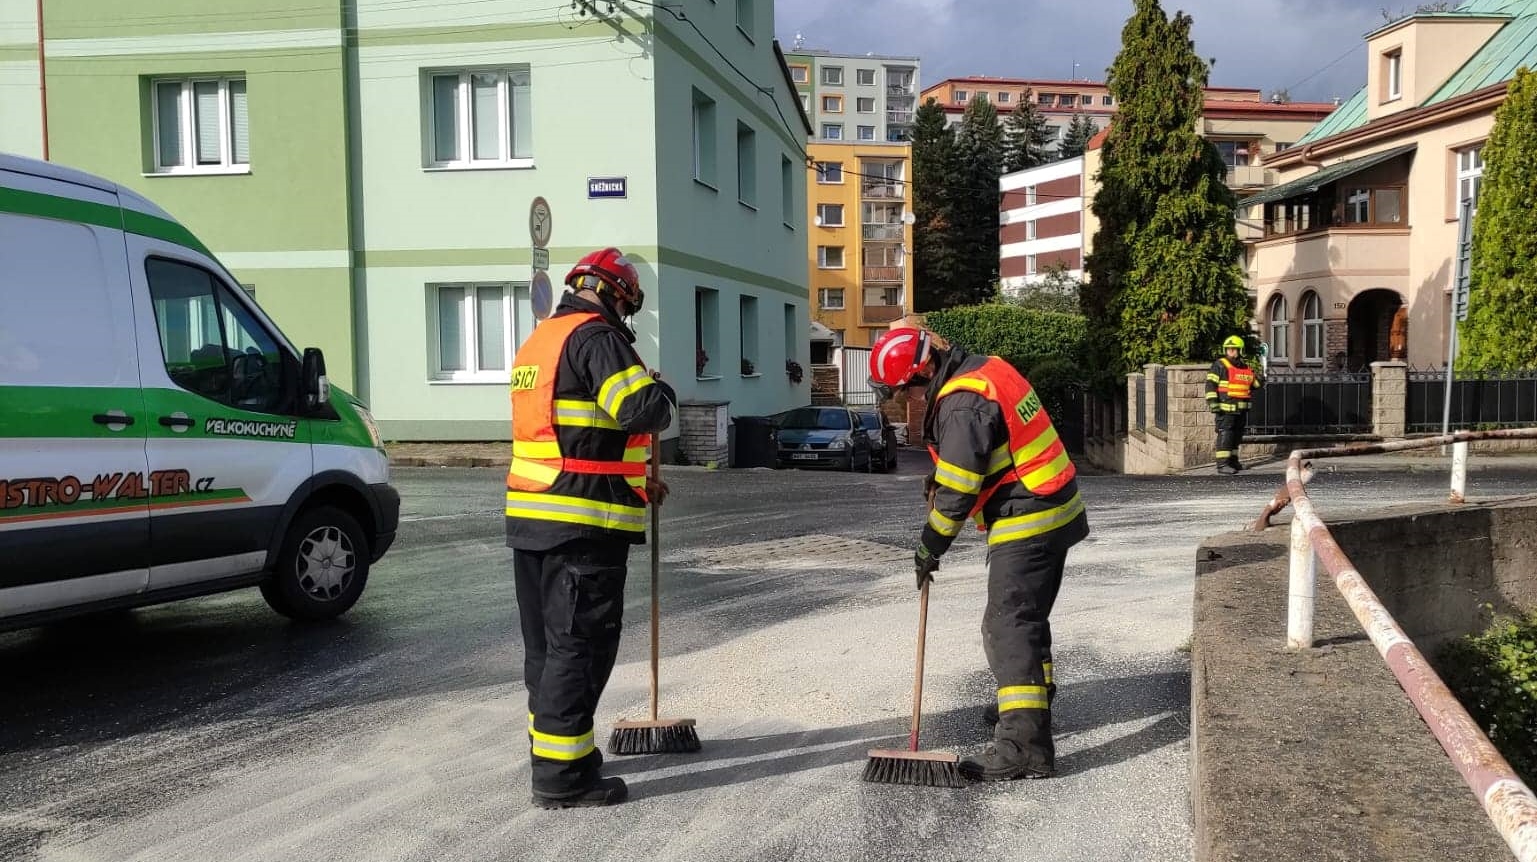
pixel 1313 48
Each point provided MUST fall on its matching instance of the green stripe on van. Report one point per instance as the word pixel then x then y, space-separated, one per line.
pixel 102 215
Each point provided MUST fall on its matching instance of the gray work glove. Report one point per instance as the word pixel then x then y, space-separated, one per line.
pixel 925 565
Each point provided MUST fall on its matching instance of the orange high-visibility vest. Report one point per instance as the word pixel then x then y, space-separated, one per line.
pixel 537 461
pixel 1239 385
pixel 1034 454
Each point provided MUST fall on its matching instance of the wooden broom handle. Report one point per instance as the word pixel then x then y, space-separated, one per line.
pixel 923 625
pixel 656 569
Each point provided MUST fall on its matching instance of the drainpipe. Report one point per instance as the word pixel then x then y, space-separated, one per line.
pixel 42 76
pixel 1307 157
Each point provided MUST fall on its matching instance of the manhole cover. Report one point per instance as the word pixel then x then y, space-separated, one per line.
pixel 801 552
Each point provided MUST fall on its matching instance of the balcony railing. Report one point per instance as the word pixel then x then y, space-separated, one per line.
pixel 884 232
pixel 883 190
pixel 882 313
pixel 900 88
pixel 883 274
pixel 1249 176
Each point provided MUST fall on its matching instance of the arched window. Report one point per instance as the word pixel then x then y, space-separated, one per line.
pixel 1280 330
pixel 1312 328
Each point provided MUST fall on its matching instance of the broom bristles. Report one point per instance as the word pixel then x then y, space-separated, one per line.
pixel 922 769
pixel 654 739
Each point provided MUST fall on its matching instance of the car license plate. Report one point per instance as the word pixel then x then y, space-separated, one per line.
pixel 804 456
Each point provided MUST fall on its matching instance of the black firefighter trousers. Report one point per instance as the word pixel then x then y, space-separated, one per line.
pixel 1230 428
pixel 571 605
pixel 1023 579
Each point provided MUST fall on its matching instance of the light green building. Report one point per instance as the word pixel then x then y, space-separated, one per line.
pixel 367 169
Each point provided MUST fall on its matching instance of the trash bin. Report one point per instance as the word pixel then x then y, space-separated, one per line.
pixel 757 445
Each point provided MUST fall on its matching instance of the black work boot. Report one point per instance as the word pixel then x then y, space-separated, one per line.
pixel 608 791
pixel 1005 760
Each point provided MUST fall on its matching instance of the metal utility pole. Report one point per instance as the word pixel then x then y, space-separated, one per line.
pixel 1460 288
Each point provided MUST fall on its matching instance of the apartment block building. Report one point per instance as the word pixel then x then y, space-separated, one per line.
pixel 367 167
pixel 862 99
pixel 1040 225
pixel 860 198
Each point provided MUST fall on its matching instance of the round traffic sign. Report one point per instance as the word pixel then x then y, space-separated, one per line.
pixel 539 222
pixel 541 294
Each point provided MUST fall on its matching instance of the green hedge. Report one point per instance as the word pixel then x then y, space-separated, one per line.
pixel 1495 676
pixel 1046 346
pixel 1022 336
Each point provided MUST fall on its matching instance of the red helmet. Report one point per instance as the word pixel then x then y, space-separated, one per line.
pixel 897 356
pixel 609 267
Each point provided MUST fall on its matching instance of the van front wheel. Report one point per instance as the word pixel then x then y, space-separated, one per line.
pixel 321 568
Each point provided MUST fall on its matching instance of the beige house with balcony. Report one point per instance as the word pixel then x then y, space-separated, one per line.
pixel 1355 261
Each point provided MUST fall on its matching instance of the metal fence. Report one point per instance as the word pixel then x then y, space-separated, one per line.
pixel 1138 420
pixel 1316 403
pixel 1161 399
pixel 1483 402
pixel 854 384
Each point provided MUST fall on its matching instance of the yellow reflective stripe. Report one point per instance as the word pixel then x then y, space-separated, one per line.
pixel 957 479
pixel 1038 477
pixel 617 387
pixel 639 454
pixel 583 414
pixel 1037 446
pixel 553 747
pixel 1002 460
pixel 537 450
pixel 1046 668
pixel 1213 377
pixel 943 525
pixel 1035 523
pixel 1212 395
pixel 575 510
pixel 971 383
pixel 1021 697
pixel 534 471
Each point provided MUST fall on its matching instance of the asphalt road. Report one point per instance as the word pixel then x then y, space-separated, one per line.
pixel 215 730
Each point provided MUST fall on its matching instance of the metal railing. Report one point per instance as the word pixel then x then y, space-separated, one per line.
pixel 888 190
pixel 881 273
pixel 1313 403
pixel 1139 421
pixel 1484 402
pixel 1161 399
pixel 887 231
pixel 1507 800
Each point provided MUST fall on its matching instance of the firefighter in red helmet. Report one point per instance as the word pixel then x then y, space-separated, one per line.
pixel 584 408
pixel 998 461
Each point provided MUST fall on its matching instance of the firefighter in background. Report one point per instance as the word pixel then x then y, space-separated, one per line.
pixel 998 460
pixel 583 409
pixel 1230 386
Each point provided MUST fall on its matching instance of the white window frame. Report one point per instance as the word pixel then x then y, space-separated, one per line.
pixel 470 327
pixel 1470 176
pixel 1030 229
pixel 829 73
pixel 1311 326
pixel 1395 74
pixel 822 170
pixel 864 133
pixel 825 294
pixel 1279 327
pixel 800 74
pixel 822 208
pixel 859 103
pixel 843 257
pixel 832 104
pixel 960 96
pixel 859 77
pixel 1004 97
pixel 1032 265
pixel 1030 196
pixel 464 133
pixel 826 127
pixel 186 126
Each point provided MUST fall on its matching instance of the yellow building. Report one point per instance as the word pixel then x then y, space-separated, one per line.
pixel 858 200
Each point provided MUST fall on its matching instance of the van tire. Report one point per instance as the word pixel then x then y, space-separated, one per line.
pixel 308 582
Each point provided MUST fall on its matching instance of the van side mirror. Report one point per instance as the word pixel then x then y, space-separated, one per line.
pixel 316 388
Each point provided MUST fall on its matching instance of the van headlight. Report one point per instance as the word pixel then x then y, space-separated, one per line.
pixel 370 424
pixel 840 443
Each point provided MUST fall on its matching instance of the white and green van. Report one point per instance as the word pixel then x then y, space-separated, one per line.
pixel 159 437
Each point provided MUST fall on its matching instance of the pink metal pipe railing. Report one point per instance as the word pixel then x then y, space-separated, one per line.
pixel 1507 800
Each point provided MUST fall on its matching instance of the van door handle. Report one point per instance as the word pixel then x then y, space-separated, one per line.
pixel 112 419
pixel 182 422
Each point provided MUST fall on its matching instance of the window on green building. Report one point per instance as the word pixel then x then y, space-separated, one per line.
pixel 200 124
pixel 481 118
